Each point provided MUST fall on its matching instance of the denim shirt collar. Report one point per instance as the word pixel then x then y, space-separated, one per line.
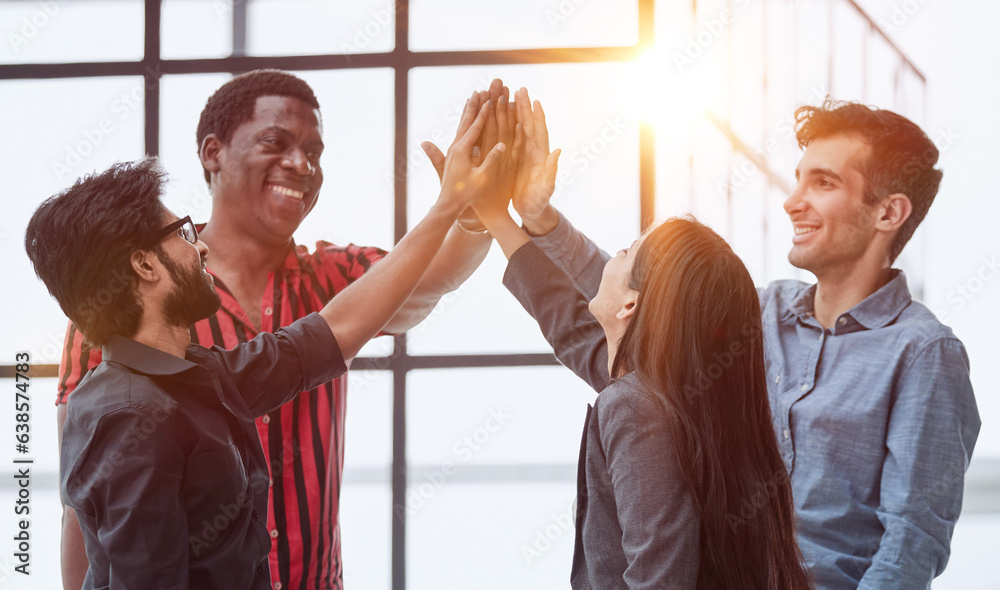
pixel 875 311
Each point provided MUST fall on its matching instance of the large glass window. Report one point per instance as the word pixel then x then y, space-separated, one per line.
pixel 463 435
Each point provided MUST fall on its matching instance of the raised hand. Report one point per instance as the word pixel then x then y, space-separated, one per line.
pixel 537 167
pixel 484 143
pixel 464 177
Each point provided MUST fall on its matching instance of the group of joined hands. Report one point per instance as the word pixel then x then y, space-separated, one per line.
pixel 500 155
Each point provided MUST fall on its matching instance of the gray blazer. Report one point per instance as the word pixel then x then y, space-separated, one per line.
pixel 636 525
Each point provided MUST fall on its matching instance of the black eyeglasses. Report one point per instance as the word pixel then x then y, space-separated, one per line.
pixel 184 227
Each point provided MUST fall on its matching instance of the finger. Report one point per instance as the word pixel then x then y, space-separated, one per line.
pixel 435 156
pixel 524 115
pixel 471 136
pixel 489 136
pixel 517 151
pixel 496 87
pixel 541 131
pixel 468 115
pixel 505 132
pixel 484 97
pixel 551 168
pixel 493 157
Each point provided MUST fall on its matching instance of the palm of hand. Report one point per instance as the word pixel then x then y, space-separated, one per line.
pixel 532 190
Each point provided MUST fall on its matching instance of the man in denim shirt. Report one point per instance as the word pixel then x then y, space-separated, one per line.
pixel 870 393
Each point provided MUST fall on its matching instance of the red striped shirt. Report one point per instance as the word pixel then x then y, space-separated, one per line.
pixel 304 439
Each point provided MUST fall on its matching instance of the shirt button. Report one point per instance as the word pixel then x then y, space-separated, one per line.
pixel 842 321
pixel 266 419
pixel 274 533
pixel 270 482
pixel 269 311
pixel 277 586
pixel 777 379
pixel 786 434
pixel 804 386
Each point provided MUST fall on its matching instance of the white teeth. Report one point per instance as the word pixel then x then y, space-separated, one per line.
pixel 286 191
pixel 804 230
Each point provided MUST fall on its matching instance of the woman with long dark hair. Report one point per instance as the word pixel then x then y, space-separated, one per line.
pixel 681 484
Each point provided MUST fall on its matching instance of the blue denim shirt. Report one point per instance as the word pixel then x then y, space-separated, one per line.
pixel 875 418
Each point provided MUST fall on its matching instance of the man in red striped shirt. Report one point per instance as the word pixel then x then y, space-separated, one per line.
pixel 260 142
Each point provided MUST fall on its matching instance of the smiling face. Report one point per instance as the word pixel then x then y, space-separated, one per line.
pixel 268 177
pixel 834 227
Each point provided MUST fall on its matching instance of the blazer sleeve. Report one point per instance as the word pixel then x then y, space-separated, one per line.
pixel 274 367
pixel 550 297
pixel 576 254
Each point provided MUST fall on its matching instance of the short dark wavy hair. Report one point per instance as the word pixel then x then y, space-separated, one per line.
pixel 233 103
pixel 80 242
pixel 901 157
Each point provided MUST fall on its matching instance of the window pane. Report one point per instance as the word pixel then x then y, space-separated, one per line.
pixel 597 188
pixel 849 60
pixel 320 26
pixel 60 31
pixel 368 452
pixel 366 533
pixel 181 100
pixel 196 29
pixel 481 417
pixel 493 536
pixel 366 494
pixel 459 25
pixel 54 146
pixel 356 204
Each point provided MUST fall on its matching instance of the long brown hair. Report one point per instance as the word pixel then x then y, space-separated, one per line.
pixel 696 341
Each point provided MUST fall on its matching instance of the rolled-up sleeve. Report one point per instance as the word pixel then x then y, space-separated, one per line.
pixel 933 428
pixel 273 368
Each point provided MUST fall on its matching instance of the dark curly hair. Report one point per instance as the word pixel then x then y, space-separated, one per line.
pixel 80 242
pixel 901 157
pixel 233 103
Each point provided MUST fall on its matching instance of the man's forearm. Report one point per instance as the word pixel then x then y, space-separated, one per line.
pixel 361 310
pixel 460 255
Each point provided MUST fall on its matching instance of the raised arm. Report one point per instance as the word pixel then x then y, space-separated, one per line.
pixel 467 242
pixel 572 251
pixel 364 308
pixel 546 292
pixel 933 427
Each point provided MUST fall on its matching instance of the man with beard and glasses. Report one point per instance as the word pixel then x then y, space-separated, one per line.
pixel 260 141
pixel 160 458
